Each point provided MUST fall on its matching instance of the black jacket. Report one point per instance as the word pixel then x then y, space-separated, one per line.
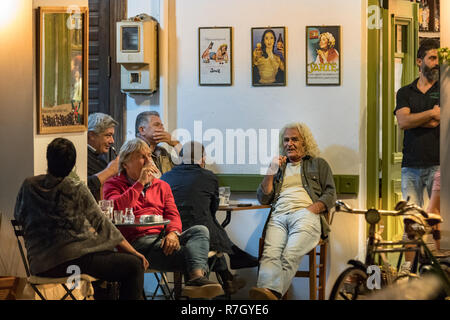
pixel 197 187
pixel 96 163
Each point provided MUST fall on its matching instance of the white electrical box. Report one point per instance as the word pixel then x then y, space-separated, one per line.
pixel 137 45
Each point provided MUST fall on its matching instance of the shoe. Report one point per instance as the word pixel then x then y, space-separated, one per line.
pixel 232 286
pixel 240 259
pixel 262 294
pixel 202 288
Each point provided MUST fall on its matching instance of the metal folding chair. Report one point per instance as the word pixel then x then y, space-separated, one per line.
pixel 161 279
pixel 35 281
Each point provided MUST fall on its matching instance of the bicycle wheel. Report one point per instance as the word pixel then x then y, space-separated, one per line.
pixel 350 285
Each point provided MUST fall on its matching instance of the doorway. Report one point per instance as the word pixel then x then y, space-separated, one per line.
pixel 104 73
pixel 391 64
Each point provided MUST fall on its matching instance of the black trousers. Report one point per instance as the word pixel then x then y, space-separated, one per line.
pixel 125 268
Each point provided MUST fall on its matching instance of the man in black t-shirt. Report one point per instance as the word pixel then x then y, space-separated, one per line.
pixel 418 114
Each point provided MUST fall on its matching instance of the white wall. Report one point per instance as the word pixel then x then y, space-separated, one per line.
pixel 16 120
pixel 333 113
pixel 139 103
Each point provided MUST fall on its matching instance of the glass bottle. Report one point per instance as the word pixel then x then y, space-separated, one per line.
pixel 129 216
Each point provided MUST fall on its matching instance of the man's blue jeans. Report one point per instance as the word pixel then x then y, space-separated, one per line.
pixel 288 238
pixel 415 181
pixel 193 254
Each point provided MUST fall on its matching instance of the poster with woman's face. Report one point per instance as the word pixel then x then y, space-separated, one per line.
pixel 269 56
pixel 323 55
pixel 214 56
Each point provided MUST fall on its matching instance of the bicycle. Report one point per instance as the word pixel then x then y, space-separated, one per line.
pixel 352 282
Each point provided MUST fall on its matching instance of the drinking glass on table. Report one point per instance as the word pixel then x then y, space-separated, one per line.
pixel 227 195
pixel 224 196
pixel 118 216
pixel 107 207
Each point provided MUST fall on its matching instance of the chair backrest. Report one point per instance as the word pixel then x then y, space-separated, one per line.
pixel 18 231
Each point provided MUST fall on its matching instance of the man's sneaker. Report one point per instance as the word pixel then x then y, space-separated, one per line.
pixel 233 286
pixel 202 288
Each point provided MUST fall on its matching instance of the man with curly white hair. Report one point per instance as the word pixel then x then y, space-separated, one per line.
pixel 300 187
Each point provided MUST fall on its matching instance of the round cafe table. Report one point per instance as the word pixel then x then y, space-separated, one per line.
pixel 148 224
pixel 238 207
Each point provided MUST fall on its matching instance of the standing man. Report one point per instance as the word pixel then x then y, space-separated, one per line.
pixel 418 114
pixel 300 187
pixel 149 128
pixel 100 139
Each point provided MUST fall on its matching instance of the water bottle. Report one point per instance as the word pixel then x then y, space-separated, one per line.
pixel 129 216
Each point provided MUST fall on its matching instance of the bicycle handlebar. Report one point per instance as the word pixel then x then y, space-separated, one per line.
pixel 402 209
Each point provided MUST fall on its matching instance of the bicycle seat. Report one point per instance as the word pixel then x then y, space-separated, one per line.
pixel 414 225
pixel 433 219
pixel 415 218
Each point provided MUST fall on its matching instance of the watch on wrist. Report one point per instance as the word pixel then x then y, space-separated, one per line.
pixel 177 233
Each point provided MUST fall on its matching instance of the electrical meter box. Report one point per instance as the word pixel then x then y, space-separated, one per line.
pixel 137 45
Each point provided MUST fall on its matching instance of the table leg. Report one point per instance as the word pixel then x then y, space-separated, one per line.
pixel 227 219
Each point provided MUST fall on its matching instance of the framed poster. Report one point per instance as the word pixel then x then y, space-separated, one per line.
pixel 62 74
pixel 323 55
pixel 215 56
pixel 269 56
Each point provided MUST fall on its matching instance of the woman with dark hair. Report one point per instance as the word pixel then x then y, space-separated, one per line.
pixel 63 226
pixel 268 66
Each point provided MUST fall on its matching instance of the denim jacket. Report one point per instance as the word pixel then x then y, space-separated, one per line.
pixel 318 182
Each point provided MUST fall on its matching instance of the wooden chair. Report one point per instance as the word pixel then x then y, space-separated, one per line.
pixel 8 287
pixel 316 272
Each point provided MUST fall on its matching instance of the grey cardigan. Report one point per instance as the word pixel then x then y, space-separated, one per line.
pixel 318 182
pixel 61 222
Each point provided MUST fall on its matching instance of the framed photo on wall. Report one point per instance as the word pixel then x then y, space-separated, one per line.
pixel 269 56
pixel 62 74
pixel 323 55
pixel 214 56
